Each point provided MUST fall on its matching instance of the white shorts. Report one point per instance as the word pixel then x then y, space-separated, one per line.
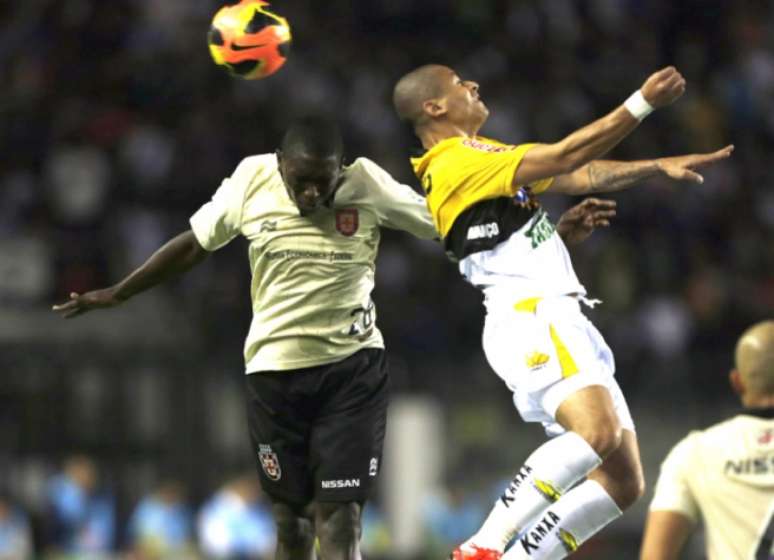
pixel 545 350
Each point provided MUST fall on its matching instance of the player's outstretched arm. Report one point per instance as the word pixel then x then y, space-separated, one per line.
pixel 608 176
pixel 666 533
pixel 596 139
pixel 177 256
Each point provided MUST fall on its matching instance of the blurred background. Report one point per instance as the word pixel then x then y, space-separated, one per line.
pixel 123 433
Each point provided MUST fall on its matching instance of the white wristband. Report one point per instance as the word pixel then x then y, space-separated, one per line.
pixel 638 106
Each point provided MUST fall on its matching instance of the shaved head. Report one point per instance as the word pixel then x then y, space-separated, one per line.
pixel 416 87
pixel 755 358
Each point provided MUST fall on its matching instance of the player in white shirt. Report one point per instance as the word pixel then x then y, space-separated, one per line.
pixel 317 385
pixel 724 475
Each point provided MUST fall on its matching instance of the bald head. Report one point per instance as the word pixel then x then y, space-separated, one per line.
pixel 755 358
pixel 416 87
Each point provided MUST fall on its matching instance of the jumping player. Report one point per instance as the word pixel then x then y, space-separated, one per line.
pixel 317 384
pixel 482 195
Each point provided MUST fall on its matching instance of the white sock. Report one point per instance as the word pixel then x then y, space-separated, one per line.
pixel 551 469
pixel 571 521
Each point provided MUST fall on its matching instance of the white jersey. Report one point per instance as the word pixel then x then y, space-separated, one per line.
pixel 532 262
pixel 725 475
pixel 312 276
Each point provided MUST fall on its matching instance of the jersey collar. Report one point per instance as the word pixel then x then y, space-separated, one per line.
pixel 767 413
pixel 422 162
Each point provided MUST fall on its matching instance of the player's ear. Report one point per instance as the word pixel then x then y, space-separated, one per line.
pixel 735 379
pixel 435 107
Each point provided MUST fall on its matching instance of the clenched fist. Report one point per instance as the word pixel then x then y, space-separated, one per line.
pixel 664 87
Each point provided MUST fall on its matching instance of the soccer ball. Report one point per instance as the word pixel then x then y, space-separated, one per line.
pixel 248 40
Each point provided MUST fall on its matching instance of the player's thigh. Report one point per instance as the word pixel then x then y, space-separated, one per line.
pixel 546 356
pixel 590 412
pixel 348 435
pixel 621 473
pixel 279 434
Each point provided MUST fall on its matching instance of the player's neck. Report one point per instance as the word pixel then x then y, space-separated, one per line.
pixel 438 132
pixel 758 401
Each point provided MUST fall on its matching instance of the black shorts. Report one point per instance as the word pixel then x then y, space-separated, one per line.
pixel 317 432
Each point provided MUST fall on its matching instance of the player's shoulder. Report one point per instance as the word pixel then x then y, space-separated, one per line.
pixel 365 167
pixel 254 171
pixel 257 163
pixel 714 437
pixel 366 178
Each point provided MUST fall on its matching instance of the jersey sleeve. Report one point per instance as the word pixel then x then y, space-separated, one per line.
pixel 398 206
pixel 673 492
pixel 220 220
pixel 492 174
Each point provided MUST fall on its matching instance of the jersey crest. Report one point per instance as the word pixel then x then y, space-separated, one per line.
pixel 347 221
pixel 269 462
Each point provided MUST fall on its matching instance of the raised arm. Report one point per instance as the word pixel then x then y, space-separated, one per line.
pixel 596 139
pixel 608 176
pixel 177 256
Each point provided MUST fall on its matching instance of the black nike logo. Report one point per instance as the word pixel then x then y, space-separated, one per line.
pixel 235 47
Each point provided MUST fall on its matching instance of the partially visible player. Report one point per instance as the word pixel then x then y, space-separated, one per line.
pixel 482 194
pixel 317 380
pixel 724 474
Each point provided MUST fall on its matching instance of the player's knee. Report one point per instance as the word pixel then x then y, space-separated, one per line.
pixel 604 439
pixel 634 489
pixel 625 487
pixel 293 529
pixel 339 522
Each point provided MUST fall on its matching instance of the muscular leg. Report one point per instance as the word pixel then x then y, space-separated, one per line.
pixel 613 486
pixel 621 473
pixel 295 532
pixel 590 413
pixel 338 528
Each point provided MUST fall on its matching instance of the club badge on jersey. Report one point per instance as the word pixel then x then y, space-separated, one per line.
pixel 269 462
pixel 347 221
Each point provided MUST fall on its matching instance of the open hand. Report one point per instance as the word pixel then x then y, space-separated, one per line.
pixel 81 303
pixel 682 167
pixel 663 87
pixel 581 220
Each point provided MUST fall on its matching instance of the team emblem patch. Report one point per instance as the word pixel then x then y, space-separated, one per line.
pixel 536 360
pixel 347 221
pixel 269 462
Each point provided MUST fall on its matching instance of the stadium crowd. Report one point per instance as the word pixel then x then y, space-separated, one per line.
pixel 117 126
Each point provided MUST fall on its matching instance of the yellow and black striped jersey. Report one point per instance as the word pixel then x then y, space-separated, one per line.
pixel 458 173
pixel 497 231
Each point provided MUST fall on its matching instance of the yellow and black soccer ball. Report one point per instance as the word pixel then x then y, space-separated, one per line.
pixel 248 40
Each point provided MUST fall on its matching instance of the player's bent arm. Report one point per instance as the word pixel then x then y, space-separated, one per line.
pixel 596 139
pixel 582 146
pixel 176 257
pixel 666 533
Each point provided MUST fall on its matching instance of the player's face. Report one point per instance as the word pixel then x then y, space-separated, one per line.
pixel 463 101
pixel 310 181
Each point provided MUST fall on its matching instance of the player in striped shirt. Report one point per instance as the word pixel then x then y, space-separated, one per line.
pixel 483 197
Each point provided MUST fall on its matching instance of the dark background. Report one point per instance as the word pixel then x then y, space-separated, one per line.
pixel 115 126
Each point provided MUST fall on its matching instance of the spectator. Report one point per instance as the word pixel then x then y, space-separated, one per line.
pixel 236 523
pixel 15 534
pixel 80 517
pixel 161 525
